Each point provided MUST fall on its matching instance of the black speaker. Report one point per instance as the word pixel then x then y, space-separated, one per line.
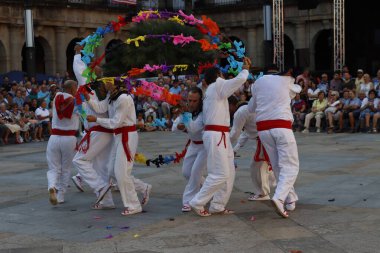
pixel 307 4
pixel 303 57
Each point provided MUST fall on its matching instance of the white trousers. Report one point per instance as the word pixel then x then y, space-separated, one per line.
pixel 221 173
pixel 59 154
pixel 194 164
pixel 281 147
pixel 93 165
pixel 262 178
pixel 122 169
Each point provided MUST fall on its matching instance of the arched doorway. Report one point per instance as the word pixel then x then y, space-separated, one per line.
pixel 40 55
pixel 288 51
pixel 112 44
pixel 323 50
pixel 70 55
pixel 3 59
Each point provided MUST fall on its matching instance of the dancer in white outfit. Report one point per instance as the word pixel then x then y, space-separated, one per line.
pixel 122 119
pixel 93 154
pixel 271 95
pixel 61 146
pixel 220 165
pixel 195 161
pixel 261 174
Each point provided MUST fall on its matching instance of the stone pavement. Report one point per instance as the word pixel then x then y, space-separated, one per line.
pixel 338 211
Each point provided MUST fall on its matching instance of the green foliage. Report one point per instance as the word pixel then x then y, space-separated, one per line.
pixel 154 51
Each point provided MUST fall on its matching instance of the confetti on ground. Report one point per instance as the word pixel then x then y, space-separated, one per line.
pixel 331 200
pixel 171 219
pixel 296 251
pixel 108 227
pixel 243 201
pixel 136 235
pixel 364 199
pixel 126 227
pixel 89 226
pixel 109 236
pixel 143 211
pixel 253 218
pixel 97 217
pixel 73 210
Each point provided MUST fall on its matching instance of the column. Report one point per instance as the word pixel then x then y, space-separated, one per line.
pixel 60 47
pixel 300 35
pixel 252 44
pixel 15 46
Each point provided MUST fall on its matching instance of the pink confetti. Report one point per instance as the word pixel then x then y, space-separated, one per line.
pixel 253 218
pixel 109 236
pixel 97 217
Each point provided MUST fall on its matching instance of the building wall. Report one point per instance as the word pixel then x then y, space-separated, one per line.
pixel 54 29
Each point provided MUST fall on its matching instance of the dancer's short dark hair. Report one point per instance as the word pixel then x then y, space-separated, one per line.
pixel 211 74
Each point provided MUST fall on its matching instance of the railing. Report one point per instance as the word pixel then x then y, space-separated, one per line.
pixel 220 4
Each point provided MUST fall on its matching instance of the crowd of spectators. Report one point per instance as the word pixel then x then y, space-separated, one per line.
pixel 341 103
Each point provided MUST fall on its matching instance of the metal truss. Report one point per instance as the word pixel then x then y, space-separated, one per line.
pixel 339 35
pixel 278 33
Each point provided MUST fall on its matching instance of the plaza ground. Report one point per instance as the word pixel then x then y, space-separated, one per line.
pixel 338 211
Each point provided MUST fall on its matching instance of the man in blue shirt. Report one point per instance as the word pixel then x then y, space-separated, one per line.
pixel 44 94
pixel 351 109
pixel 176 89
pixel 322 86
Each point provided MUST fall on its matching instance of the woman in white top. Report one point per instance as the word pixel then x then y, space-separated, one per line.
pixel 312 93
pixel 367 85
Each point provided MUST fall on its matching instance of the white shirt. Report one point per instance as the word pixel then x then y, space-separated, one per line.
pixel 194 129
pixel 121 112
pixel 43 113
pixel 365 87
pixel 365 102
pixel 79 66
pixel 215 104
pixel 271 97
pixel 243 118
pixel 65 123
pixel 313 93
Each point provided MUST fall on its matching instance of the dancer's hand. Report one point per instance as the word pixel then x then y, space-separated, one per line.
pixel 246 63
pixel 78 48
pixel 181 126
pixel 91 118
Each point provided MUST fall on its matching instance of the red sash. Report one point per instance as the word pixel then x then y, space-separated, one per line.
pixel 56 131
pixel 87 138
pixel 222 129
pixel 124 138
pixel 261 154
pixel 183 153
pixel 64 107
pixel 270 124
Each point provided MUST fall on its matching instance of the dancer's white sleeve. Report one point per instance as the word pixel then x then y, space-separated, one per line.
pixel 237 126
pixel 176 122
pixel 121 113
pixel 78 67
pixel 243 138
pixel 196 125
pixel 226 88
pixel 99 106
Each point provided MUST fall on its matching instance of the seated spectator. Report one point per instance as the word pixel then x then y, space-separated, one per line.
pixel 368 109
pixel 299 111
pixel 168 123
pixel 11 126
pixel 14 88
pixel 367 85
pixel 140 124
pixel 376 117
pixel 317 110
pixel 32 122
pixel 18 99
pixel 149 124
pixel 184 91
pixel 33 105
pixel 33 93
pixel 44 94
pixel 304 89
pixel 359 79
pixel 3 100
pixel 312 93
pixel 175 89
pixel 150 108
pixel 243 97
pixel 43 116
pixel 351 109
pixel 305 77
pixel 348 82
pixel 324 83
pixel 333 112
pixel 336 83
pixel 376 82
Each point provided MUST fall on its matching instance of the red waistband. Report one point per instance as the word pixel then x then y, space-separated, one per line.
pixel 222 129
pixel 270 124
pixel 125 129
pixel 60 132
pixel 100 129
pixel 217 128
pixel 198 142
